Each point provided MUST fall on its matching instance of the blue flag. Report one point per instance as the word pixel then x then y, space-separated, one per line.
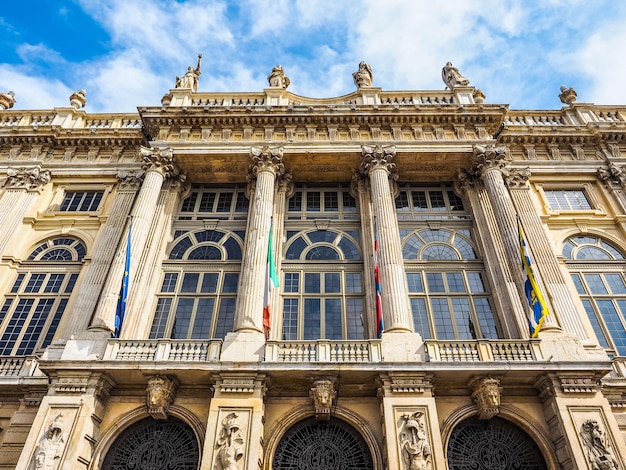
pixel 121 301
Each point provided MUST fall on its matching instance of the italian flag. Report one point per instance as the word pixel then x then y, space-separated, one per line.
pixel 271 281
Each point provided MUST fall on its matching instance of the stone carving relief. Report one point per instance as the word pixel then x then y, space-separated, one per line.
pixel 452 77
pixel 230 444
pixel 160 394
pixel 486 394
pixel 323 394
pixel 277 78
pixel 597 447
pixel 7 100
pixel 190 79
pixel 416 452
pixel 51 445
pixel 612 174
pixel 363 76
pixel 27 178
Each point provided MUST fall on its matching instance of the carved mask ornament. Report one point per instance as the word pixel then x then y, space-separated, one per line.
pixel 160 395
pixel 323 393
pixel 486 395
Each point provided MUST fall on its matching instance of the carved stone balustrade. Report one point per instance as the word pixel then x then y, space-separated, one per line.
pixel 484 351
pixel 323 351
pixel 163 350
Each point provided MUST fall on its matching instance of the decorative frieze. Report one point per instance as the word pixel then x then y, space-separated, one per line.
pixel 160 394
pixel 236 385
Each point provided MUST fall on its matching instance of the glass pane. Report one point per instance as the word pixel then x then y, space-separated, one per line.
pixel 402 202
pixel 443 320
pixel 353 283
pixel 437 201
pixel 332 283
pixel 313 201
pixel 435 282
pixel 295 249
pixel 331 202
pixel 206 203
pixel 419 201
pixel 225 318
pixel 595 323
pixel 614 324
pixel 332 319
pixel 349 203
pixel 456 203
pixel 190 282
pixel 182 318
pixel 290 319
pixel 616 283
pixel 169 282
pixel 189 204
pixel 312 283
pixel 455 282
pixel 54 283
pixel 414 281
pixel 420 318
pixel 209 282
pixel 475 281
pixel 230 282
pixel 295 202
pixel 578 282
pixel 464 323
pixel 224 202
pixel 434 252
pixel 596 286
pixel 15 325
pixel 311 319
pixel 35 326
pixel 292 281
pixel 486 320
pixel 354 319
pixel 34 283
pixel 18 283
pixel 204 316
pixel 55 323
pixel 160 318
pixel 71 283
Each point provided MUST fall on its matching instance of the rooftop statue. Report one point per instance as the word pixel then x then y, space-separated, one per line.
pixel 363 76
pixel 452 77
pixel 190 79
pixel 568 95
pixel 277 78
pixel 78 99
pixel 7 100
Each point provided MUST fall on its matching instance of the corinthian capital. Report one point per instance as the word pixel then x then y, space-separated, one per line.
pixel 517 178
pixel 488 157
pixel 32 178
pixel 264 158
pixel 612 174
pixel 377 157
pixel 161 160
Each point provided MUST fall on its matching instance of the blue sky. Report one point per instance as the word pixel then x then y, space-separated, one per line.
pixel 127 53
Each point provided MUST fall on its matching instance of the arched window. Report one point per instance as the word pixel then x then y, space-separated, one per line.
pixel 323 286
pixel 597 269
pixel 199 286
pixel 449 296
pixel 33 307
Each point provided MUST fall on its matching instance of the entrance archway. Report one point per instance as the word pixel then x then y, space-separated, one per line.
pixel 322 445
pixel 492 444
pixel 154 445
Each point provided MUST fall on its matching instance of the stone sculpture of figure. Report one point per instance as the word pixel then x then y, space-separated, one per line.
pixel 568 95
pixel 7 100
pixel 50 447
pixel 596 447
pixel 452 77
pixel 277 78
pixel 416 450
pixel 229 443
pixel 363 76
pixel 190 79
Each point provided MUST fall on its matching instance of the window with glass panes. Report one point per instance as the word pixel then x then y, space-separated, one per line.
pixel 199 286
pixel 33 307
pixel 323 294
pixel 449 295
pixel 597 269
pixel 211 202
pixel 308 202
pixel 567 199
pixel 422 202
pixel 81 201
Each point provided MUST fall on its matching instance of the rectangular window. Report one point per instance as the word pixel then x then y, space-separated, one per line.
pixel 567 200
pixel 212 202
pixel 81 201
pixel 421 202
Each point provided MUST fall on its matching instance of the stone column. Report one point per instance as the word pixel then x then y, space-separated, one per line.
pixel 158 165
pixel 22 187
pixel 246 341
pixel 488 163
pixel 410 420
pixel 512 313
pixel 102 254
pixel 564 311
pixel 376 163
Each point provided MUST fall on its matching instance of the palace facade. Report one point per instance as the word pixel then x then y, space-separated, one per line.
pixel 262 280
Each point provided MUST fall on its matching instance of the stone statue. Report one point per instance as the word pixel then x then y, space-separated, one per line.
pixel 452 77
pixel 323 393
pixel 416 450
pixel 596 447
pixel 190 79
pixel 160 395
pixel 50 449
pixel 568 95
pixel 486 395
pixel 277 78
pixel 363 76
pixel 230 444
pixel 7 100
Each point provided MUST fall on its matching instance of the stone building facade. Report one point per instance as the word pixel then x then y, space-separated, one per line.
pixel 186 201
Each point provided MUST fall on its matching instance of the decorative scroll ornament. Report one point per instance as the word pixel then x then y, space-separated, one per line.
pixel 230 444
pixel 597 447
pixel 264 158
pixel 7 100
pixel 416 451
pixel 486 394
pixel 161 160
pixel 323 394
pixel 612 174
pixel 160 394
pixel 51 444
pixel 27 178
pixel 130 178
pixel 486 157
pixel 377 157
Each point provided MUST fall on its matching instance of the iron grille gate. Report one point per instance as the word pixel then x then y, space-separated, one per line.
pixel 154 445
pixel 322 445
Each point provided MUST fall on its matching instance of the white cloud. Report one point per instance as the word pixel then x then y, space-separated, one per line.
pixel 36 52
pixel 33 92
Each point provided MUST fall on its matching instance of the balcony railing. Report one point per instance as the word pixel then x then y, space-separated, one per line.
pixel 323 351
pixel 17 366
pixel 484 350
pixel 163 350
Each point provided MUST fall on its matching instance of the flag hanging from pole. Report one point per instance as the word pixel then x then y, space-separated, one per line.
pixel 380 323
pixel 536 302
pixel 121 301
pixel 271 281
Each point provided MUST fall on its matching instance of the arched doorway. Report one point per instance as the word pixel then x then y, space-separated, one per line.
pixel 322 445
pixel 492 444
pixel 154 445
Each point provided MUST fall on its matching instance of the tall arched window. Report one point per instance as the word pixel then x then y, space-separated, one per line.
pixel 597 269
pixel 33 307
pixel 323 286
pixel 199 286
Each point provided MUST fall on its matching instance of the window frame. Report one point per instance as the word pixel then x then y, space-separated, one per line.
pixel 586 188
pixel 54 210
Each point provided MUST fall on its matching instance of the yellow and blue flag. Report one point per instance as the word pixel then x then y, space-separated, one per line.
pixel 121 301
